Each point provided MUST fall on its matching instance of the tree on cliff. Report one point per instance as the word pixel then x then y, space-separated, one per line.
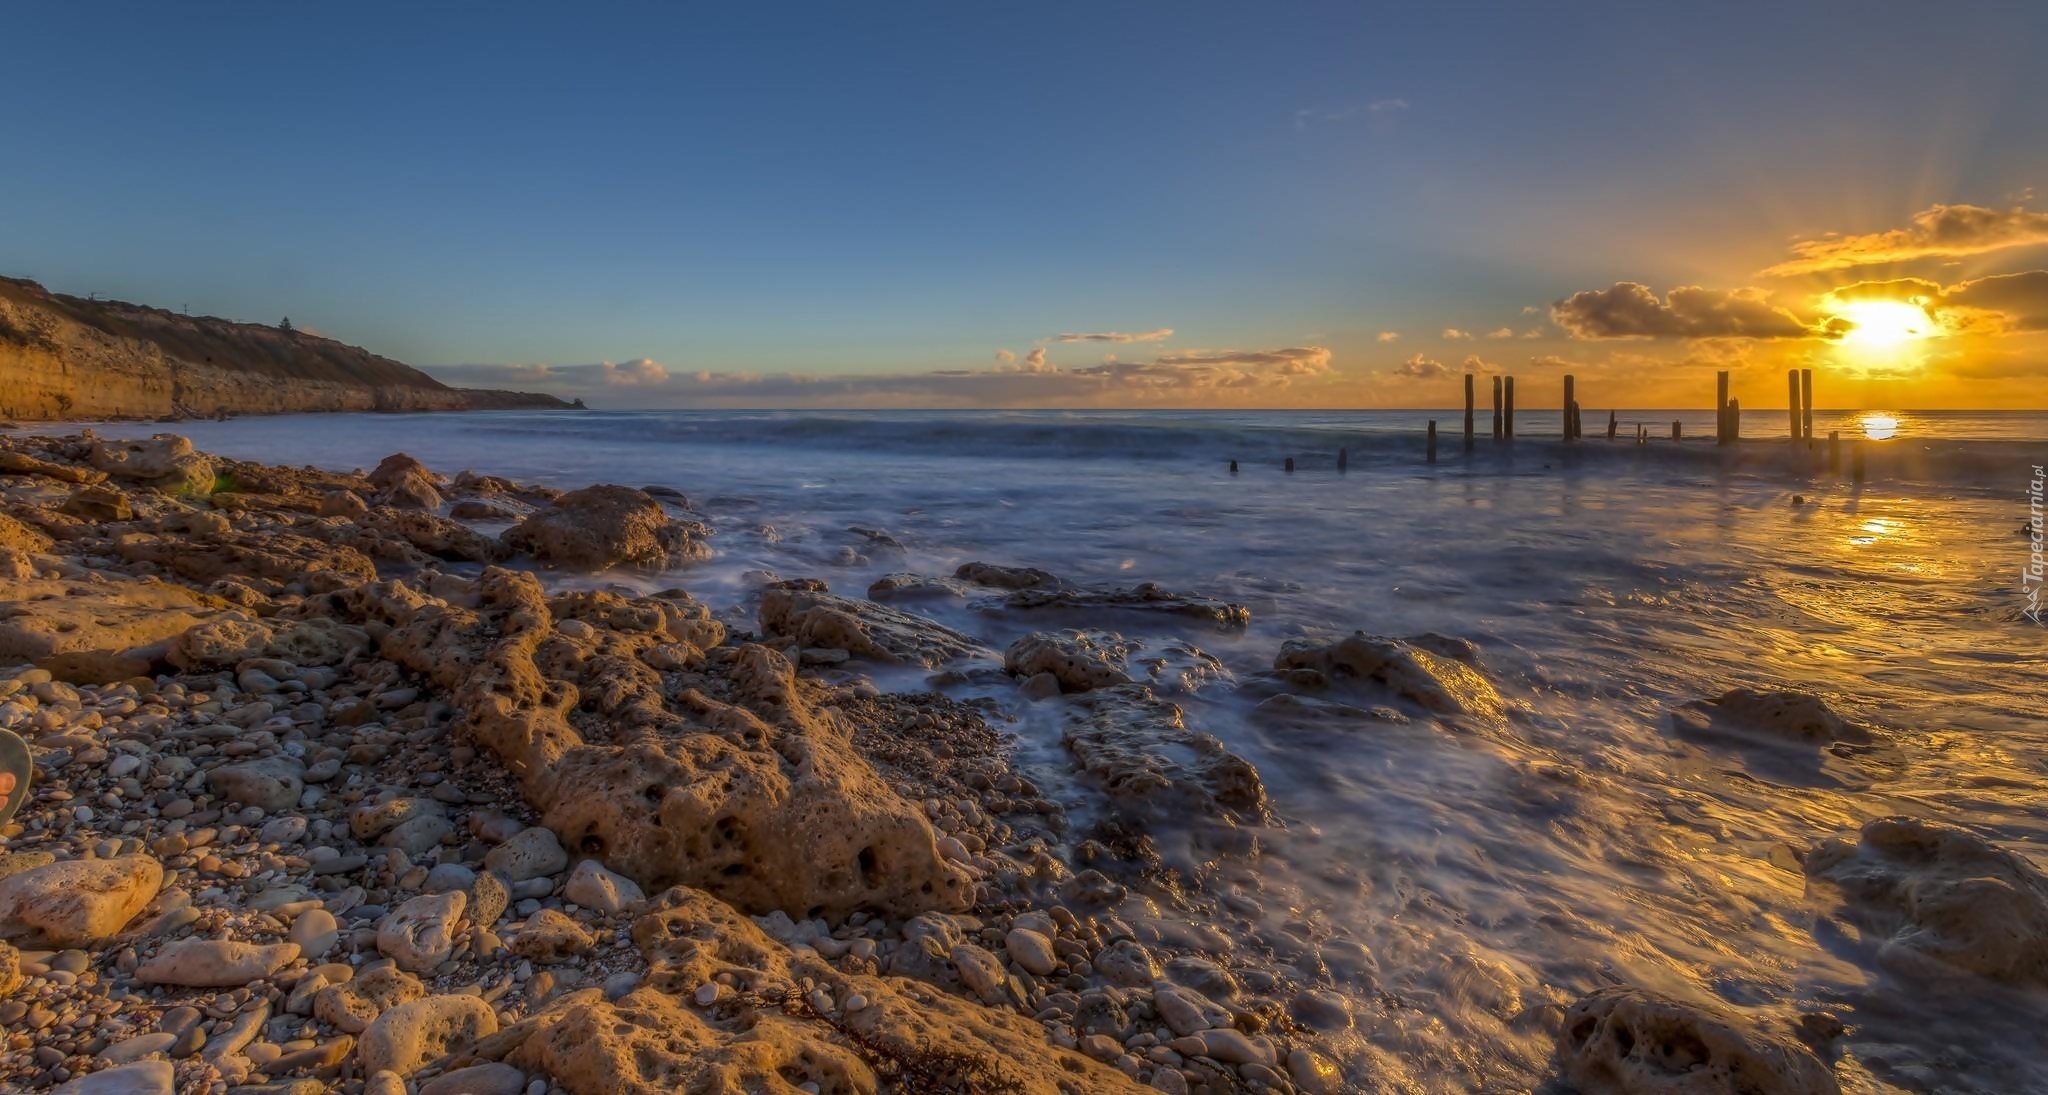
pixel 284 324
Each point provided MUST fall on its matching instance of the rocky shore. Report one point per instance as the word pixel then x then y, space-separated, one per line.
pixel 372 782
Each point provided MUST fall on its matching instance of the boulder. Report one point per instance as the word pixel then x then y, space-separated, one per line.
pixel 1409 669
pixel 531 853
pixel 354 1004
pixel 550 936
pixel 214 963
pixel 1148 597
pixel 343 503
pixel 98 503
pixel 1079 660
pixel 417 1033
pixel 78 902
pixel 1626 1041
pixel 404 483
pixel 593 887
pixel 166 463
pixel 1794 717
pixel 606 526
pixel 140 1078
pixel 1140 750
pixel 42 619
pixel 23 538
pixel 1937 901
pixel 420 934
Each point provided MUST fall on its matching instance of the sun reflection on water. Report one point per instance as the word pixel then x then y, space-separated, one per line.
pixel 1880 427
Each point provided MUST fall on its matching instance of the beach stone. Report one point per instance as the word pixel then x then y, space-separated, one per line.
pixel 550 936
pixel 532 853
pixel 1126 962
pixel 272 784
pixel 805 612
pixel 99 502
pixel 1031 950
pixel 343 503
pixel 140 1078
pixel 420 934
pixel 1314 1074
pixel 315 931
pixel 78 902
pixel 445 877
pixel 1185 1011
pixel 495 1078
pixel 982 973
pixel 421 1031
pixel 605 526
pixel 1781 716
pixel 354 1004
pixel 1626 1041
pixel 488 897
pixel 593 887
pixel 214 963
pixel 385 1083
pixel 138 1047
pixel 1232 1047
pixel 1937 900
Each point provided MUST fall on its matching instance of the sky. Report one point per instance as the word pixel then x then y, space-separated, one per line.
pixel 1053 204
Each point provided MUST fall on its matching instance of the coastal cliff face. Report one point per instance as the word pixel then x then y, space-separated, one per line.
pixel 63 357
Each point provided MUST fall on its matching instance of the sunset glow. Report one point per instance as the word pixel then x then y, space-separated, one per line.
pixel 1884 325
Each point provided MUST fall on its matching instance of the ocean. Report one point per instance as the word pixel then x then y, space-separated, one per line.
pixel 1473 878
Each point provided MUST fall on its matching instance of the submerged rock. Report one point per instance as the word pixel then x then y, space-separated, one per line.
pixel 606 526
pixel 1149 597
pixel 1778 716
pixel 1625 1041
pixel 1937 900
pixel 1079 660
pixel 1435 682
pixel 1142 752
pixel 805 612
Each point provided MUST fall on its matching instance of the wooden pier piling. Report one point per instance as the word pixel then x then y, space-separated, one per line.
pixel 1674 429
pixel 1834 450
pixel 1344 459
pixel 1507 422
pixel 1570 383
pixel 1734 421
pixel 1611 424
pixel 1468 411
pixel 1290 464
pixel 1792 400
pixel 1721 407
pixel 1233 467
pixel 1806 406
pixel 1432 441
pixel 1856 460
pixel 1496 409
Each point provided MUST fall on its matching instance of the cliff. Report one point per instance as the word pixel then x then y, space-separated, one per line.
pixel 64 357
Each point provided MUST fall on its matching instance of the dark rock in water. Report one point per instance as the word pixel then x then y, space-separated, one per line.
pixel 1002 577
pixel 1937 900
pixel 1626 1041
pixel 1143 753
pixel 606 526
pixel 1776 716
pixel 805 612
pixel 1148 597
pixel 1429 670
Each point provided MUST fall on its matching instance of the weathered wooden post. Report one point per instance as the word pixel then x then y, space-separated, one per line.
pixel 1468 411
pixel 1233 467
pixel 1734 421
pixel 1834 450
pixel 1856 460
pixel 1611 424
pixel 1721 407
pixel 1290 463
pixel 1496 408
pixel 1507 421
pixel 1344 458
pixel 1792 400
pixel 1674 429
pixel 1578 422
pixel 1806 405
pixel 1432 441
pixel 1569 383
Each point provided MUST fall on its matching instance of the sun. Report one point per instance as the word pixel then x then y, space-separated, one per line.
pixel 1883 324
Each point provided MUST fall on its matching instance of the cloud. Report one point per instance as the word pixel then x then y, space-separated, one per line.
pixel 1501 332
pixel 1389 336
pixel 1475 364
pixel 1381 110
pixel 1552 361
pixel 1939 231
pixel 1455 335
pixel 1422 368
pixel 1632 310
pixel 1195 378
pixel 1989 305
pixel 1005 357
pixel 1159 335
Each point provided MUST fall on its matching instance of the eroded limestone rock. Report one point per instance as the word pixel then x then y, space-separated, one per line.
pixel 803 611
pixel 1142 752
pixel 1778 716
pixel 1937 900
pixel 1079 660
pixel 165 462
pixel 1625 1041
pixel 606 526
pixel 1428 678
pixel 75 902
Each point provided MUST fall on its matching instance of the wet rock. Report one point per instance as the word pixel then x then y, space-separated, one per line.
pixel 1439 684
pixel 75 902
pixel 1079 660
pixel 1288 709
pixel 343 503
pixel 1031 950
pixel 1777 716
pixel 804 612
pixel 982 973
pixel 214 963
pixel 421 1031
pixel 421 933
pixel 996 576
pixel 273 784
pixel 486 1079
pixel 404 483
pixel 1137 746
pixel 1936 900
pixel 1625 1041
pixel 606 526
pixel 1185 1011
pixel 1147 597
pixel 593 887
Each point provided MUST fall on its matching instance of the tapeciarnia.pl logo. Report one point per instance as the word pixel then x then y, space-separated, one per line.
pixel 2031 577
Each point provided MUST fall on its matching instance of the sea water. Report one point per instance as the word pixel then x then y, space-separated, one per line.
pixel 1455 886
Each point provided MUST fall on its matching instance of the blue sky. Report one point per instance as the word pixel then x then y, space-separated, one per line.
pixel 842 191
